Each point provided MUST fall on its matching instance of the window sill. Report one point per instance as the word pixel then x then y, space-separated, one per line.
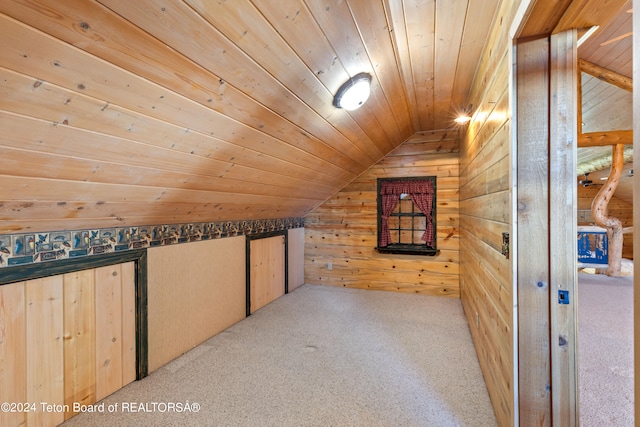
pixel 408 250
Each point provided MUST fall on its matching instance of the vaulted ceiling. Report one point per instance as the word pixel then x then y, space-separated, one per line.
pixel 148 111
pixel 607 107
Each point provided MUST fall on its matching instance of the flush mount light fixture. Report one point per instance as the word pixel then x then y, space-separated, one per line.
pixel 354 92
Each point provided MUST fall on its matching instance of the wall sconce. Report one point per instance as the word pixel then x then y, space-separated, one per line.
pixel 464 116
pixel 354 92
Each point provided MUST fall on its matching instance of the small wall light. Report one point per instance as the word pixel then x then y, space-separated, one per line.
pixel 462 119
pixel 354 92
pixel 464 116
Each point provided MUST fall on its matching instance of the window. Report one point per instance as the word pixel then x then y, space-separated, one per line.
pixel 407 215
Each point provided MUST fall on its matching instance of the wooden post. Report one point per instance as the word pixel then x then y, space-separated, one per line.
pixel 636 208
pixel 547 229
pixel 599 209
pixel 563 221
pixel 534 374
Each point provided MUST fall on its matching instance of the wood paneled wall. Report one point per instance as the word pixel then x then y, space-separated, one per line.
pixel 485 213
pixel 195 290
pixel 341 234
pixel 66 340
pixel 617 208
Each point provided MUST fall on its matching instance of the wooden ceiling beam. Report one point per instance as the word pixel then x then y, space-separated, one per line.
pixel 599 139
pixel 587 13
pixel 554 16
pixel 606 75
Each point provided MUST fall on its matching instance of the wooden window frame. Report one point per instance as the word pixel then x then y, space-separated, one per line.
pixel 404 248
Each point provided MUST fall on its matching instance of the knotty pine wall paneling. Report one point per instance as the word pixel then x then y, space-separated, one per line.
pixel 486 275
pixel 195 291
pixel 341 234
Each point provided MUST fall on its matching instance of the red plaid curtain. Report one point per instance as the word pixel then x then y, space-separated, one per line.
pixel 389 202
pixel 421 193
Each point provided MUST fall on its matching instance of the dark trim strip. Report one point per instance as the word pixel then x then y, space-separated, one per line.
pixel 266 235
pixel 22 273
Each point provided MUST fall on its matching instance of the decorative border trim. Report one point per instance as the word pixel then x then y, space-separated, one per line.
pixel 29 248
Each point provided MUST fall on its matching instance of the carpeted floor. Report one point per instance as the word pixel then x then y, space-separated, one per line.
pixel 605 350
pixel 320 356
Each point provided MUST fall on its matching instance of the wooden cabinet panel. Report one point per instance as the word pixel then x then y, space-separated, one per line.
pixel 13 351
pixel 295 262
pixel 79 339
pixel 66 339
pixel 108 330
pixel 267 271
pixel 45 364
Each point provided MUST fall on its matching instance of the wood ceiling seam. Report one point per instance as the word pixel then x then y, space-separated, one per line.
pixel 395 14
pixel 472 45
pixel 230 54
pixel 366 122
pixel 420 27
pixel 377 41
pixel 168 117
pixel 65 140
pixel 446 39
pixel 208 108
pixel 85 191
pixel 36 108
pixel 249 47
pixel 114 173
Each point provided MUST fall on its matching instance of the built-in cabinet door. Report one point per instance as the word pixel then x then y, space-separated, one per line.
pixel 267 271
pixel 65 341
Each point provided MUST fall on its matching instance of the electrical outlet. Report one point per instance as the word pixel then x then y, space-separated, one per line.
pixel 330 266
pixel 477 320
pixel 563 297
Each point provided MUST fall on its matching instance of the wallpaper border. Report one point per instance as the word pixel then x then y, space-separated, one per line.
pixel 29 248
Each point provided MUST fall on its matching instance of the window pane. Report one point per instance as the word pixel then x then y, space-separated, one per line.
pixel 405 237
pixel 407 206
pixel 393 223
pixel 405 222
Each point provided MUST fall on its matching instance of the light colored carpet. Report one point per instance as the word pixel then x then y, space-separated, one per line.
pixel 322 356
pixel 605 350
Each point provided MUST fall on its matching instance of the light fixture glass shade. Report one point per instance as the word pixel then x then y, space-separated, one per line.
pixel 354 92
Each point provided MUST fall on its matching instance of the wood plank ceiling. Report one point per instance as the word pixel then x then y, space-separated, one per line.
pixel 607 107
pixel 146 112
pixel 164 111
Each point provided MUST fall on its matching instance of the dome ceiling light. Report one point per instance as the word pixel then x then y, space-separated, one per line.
pixel 354 92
